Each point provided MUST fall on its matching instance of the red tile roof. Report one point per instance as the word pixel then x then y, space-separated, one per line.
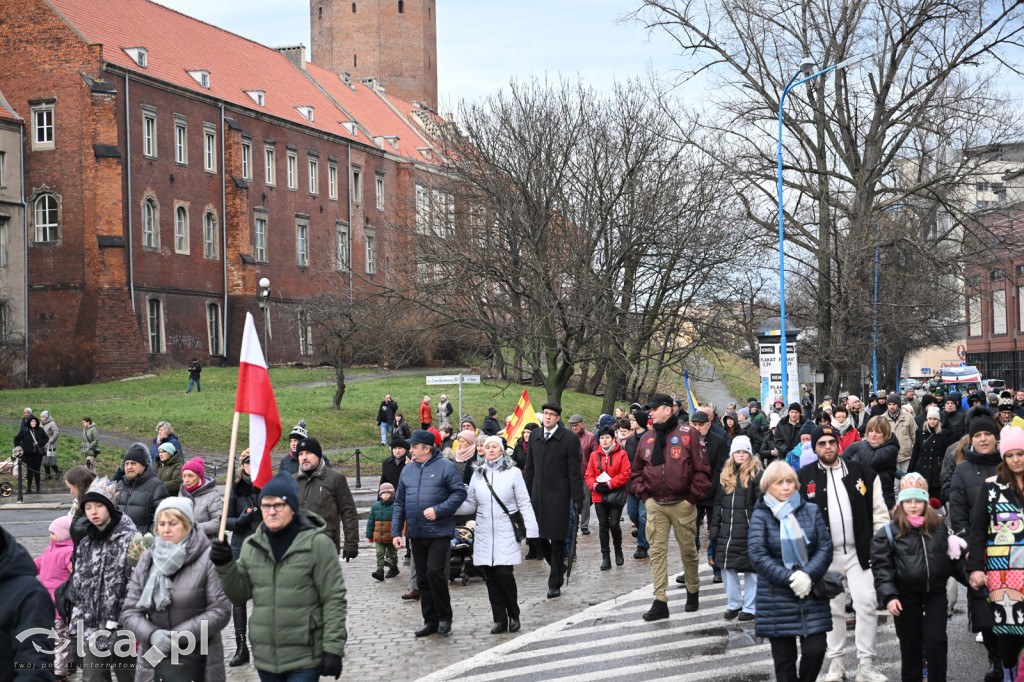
pixel 7 112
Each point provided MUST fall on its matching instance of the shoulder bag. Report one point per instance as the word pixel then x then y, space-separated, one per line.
pixel 516 517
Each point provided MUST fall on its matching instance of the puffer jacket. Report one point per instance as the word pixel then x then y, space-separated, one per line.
pixel 298 604
pixel 848 434
pixel 90 441
pixel 169 472
pixel 779 612
pixel 787 435
pixel 615 464
pixel 140 497
pixel 207 506
pixel 929 451
pixel 154 448
pixel 196 597
pixel 730 524
pixel 101 579
pixel 54 565
pixel 968 479
pixel 752 430
pixel 378 523
pixel 882 461
pixel 913 564
pixel 325 492
pixel 494 541
pixel 436 483
pixel 244 499
pixel 25 607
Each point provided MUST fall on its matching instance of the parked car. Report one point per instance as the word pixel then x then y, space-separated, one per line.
pixel 992 385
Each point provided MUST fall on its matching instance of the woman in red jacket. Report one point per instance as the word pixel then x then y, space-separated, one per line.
pixel 607 476
pixel 426 414
pixel 841 422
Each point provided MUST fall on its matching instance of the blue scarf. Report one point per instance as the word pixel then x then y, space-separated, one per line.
pixel 791 536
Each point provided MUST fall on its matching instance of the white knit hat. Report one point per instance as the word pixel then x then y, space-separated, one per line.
pixel 741 444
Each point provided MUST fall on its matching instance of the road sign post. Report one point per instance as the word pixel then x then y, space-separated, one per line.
pixel 459 379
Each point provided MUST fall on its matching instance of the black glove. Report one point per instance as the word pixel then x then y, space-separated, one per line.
pixel 330 666
pixel 602 488
pixel 348 555
pixel 246 520
pixel 220 553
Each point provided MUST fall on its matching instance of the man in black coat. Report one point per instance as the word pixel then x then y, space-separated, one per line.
pixel 392 467
pixel 718 454
pixel 386 418
pixel 26 606
pixel 554 479
pixel 787 433
pixel 141 491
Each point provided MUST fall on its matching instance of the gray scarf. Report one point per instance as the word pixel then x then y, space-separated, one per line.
pixel 168 559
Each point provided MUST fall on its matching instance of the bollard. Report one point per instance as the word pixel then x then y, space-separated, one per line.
pixel 216 470
pixel 359 478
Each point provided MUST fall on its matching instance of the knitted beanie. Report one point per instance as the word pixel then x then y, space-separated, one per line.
pixel 741 444
pixel 197 466
pixel 310 445
pixel 299 432
pixel 282 485
pixel 181 504
pixel 61 528
pixel 1011 438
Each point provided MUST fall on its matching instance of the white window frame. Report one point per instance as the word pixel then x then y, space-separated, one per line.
pixel 422 210
pixel 357 185
pixel 45 231
pixel 380 191
pixel 247 159
pixel 150 224
pixel 181 142
pixel 259 236
pixel 270 164
pixel 209 148
pixel 302 242
pixel 341 250
pixel 181 229
pixel 5 253
pixel 149 133
pixel 371 251
pixel 155 317
pixel 314 176
pixel 43 127
pixel 215 328
pixel 305 334
pixel 332 181
pixel 292 169
pixel 999 312
pixel 974 315
pixel 210 234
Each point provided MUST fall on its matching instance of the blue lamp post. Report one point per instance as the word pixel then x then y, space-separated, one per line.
pixel 874 323
pixel 806 68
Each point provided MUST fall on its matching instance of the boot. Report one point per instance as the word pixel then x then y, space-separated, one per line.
pixel 619 559
pixel 241 646
pixel 617 543
pixel 606 561
pixel 48 477
pixel 392 572
pixel 692 602
pixel 533 553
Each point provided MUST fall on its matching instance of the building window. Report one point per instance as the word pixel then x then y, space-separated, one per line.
pixel 305 334
pixel 4 245
pixel 4 314
pixel 302 243
pixel 1020 308
pixel 380 193
pixel 332 181
pixel 270 168
pixel 181 230
pixel 210 149
pixel 357 186
pixel 149 133
pixel 353 8
pixel 180 142
pixel 371 252
pixel 293 170
pixel 998 275
pixel 155 320
pixel 210 235
pixel 42 127
pixel 401 6
pixel 422 209
pixel 3 167
pixel 214 328
pixel 342 247
pixel 314 177
pixel 999 312
pixel 974 315
pixel 150 225
pixel 47 219
pixel 259 238
pixel 247 160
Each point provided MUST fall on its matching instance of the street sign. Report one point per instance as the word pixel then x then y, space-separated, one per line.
pixel 453 379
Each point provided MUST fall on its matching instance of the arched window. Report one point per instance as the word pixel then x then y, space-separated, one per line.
pixel 181 230
pixel 320 13
pixel 401 6
pixel 355 60
pixel 150 220
pixel 213 327
pixel 210 235
pixel 47 219
pixel 353 8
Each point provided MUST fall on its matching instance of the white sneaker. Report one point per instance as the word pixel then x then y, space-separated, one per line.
pixel 867 673
pixel 836 671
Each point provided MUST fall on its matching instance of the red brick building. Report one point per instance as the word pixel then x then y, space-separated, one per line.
pixel 170 165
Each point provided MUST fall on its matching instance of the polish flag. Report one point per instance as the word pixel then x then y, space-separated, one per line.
pixel 256 398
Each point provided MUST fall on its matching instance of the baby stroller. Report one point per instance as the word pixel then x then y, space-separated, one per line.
pixel 8 468
pixel 461 562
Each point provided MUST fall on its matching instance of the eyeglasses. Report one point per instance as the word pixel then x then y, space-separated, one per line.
pixel 274 506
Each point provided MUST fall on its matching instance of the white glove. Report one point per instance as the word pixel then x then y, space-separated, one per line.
pixel 800 583
pixel 955 546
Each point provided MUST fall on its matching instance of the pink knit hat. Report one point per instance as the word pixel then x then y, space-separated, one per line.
pixel 196 466
pixel 1011 438
pixel 61 528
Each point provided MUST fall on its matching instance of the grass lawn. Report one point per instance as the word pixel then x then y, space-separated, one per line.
pixel 203 420
pixel 741 376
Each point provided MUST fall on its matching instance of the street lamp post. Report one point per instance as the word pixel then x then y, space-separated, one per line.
pixel 806 67
pixel 874 322
pixel 264 296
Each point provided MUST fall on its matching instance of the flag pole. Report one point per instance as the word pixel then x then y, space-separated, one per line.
pixel 231 474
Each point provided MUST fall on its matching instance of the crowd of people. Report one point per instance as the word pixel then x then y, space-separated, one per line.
pixel 816 516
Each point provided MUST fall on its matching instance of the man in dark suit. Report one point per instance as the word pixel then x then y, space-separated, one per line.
pixel 554 479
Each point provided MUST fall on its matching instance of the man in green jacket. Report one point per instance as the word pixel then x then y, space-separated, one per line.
pixel 298 624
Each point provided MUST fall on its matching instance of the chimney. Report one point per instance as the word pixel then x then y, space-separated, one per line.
pixel 295 54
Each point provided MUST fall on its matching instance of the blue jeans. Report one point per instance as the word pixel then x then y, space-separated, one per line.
pixel 308 675
pixel 385 433
pixel 637 512
pixel 737 597
pixel 192 381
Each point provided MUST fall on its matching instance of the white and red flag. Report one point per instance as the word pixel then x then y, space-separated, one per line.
pixel 256 398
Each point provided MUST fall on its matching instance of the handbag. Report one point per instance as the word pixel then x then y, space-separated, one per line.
pixel 190 668
pixel 615 497
pixel 830 585
pixel 516 517
pixel 64 598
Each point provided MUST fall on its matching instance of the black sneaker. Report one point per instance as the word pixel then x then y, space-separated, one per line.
pixel 378 574
pixel 640 553
pixel 681 578
pixel 392 572
pixel 658 611
pixel 746 616
pixel 731 614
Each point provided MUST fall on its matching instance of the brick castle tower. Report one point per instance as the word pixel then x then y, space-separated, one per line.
pixel 394 41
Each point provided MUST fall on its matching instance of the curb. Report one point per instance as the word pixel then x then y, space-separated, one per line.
pixel 16 506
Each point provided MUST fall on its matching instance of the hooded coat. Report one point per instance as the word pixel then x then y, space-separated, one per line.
pixel 730 523
pixel 25 606
pixel 882 461
pixel 904 428
pixel 101 578
pixel 494 540
pixel 554 477
pixel 169 472
pixel 207 506
pixel 325 492
pixel 196 596
pixel 929 451
pixel 140 498
pixel 968 480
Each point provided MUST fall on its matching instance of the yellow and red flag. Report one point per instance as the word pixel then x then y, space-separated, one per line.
pixel 523 415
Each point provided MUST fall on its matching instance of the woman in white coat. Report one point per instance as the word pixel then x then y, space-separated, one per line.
pixel 495 548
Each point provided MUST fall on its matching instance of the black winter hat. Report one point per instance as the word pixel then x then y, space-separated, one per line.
pixel 399 443
pixel 795 407
pixel 927 400
pixel 284 486
pixel 137 452
pixel 310 445
pixel 754 405
pixel 807 428
pixel 491 411
pixel 641 418
pixel 982 420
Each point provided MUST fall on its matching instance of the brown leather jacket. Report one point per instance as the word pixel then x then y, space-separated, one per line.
pixel 686 473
